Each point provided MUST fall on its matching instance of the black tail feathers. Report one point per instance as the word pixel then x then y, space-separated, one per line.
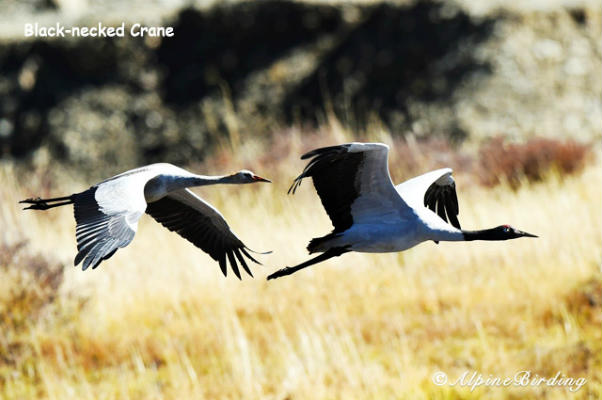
pixel 313 245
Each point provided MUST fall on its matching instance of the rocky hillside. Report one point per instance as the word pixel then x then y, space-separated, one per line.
pixel 250 68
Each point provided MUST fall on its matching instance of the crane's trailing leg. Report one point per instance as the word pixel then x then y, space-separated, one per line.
pixel 45 204
pixel 334 252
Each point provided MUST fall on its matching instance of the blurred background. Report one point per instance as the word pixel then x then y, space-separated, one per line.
pixel 509 95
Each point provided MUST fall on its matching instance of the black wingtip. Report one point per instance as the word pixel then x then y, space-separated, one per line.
pixel 322 150
pixel 290 189
pixel 222 265
pixel 259 252
pixel 250 257
pixel 295 185
pixel 242 262
pixel 233 264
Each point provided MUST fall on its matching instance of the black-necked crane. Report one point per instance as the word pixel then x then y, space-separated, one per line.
pixel 371 215
pixel 107 213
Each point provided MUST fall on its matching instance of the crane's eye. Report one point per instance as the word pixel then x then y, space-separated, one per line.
pixel 506 229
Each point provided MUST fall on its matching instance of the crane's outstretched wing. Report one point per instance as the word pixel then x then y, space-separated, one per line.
pixel 435 190
pixel 198 222
pixel 353 183
pixel 105 222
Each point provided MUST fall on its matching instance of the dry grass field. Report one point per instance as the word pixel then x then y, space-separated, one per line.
pixel 159 321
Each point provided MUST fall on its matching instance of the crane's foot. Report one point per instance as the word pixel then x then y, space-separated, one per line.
pixel 282 272
pixel 44 204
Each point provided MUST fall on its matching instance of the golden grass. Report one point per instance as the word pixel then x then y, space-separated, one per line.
pixel 159 320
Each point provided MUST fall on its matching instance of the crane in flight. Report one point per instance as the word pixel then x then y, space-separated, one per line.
pixel 107 213
pixel 371 215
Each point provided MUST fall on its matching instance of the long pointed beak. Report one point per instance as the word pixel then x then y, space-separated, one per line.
pixel 528 234
pixel 260 179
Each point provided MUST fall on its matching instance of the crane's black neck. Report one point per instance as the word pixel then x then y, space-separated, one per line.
pixel 485 234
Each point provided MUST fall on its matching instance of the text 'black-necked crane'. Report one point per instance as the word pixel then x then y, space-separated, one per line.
pixel 371 215
pixel 107 214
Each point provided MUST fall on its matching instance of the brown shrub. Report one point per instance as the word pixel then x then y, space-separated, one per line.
pixel 495 162
pixel 512 162
pixel 30 285
pixel 410 157
pixel 585 301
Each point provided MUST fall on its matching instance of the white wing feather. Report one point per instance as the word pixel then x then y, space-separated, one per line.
pixel 413 190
